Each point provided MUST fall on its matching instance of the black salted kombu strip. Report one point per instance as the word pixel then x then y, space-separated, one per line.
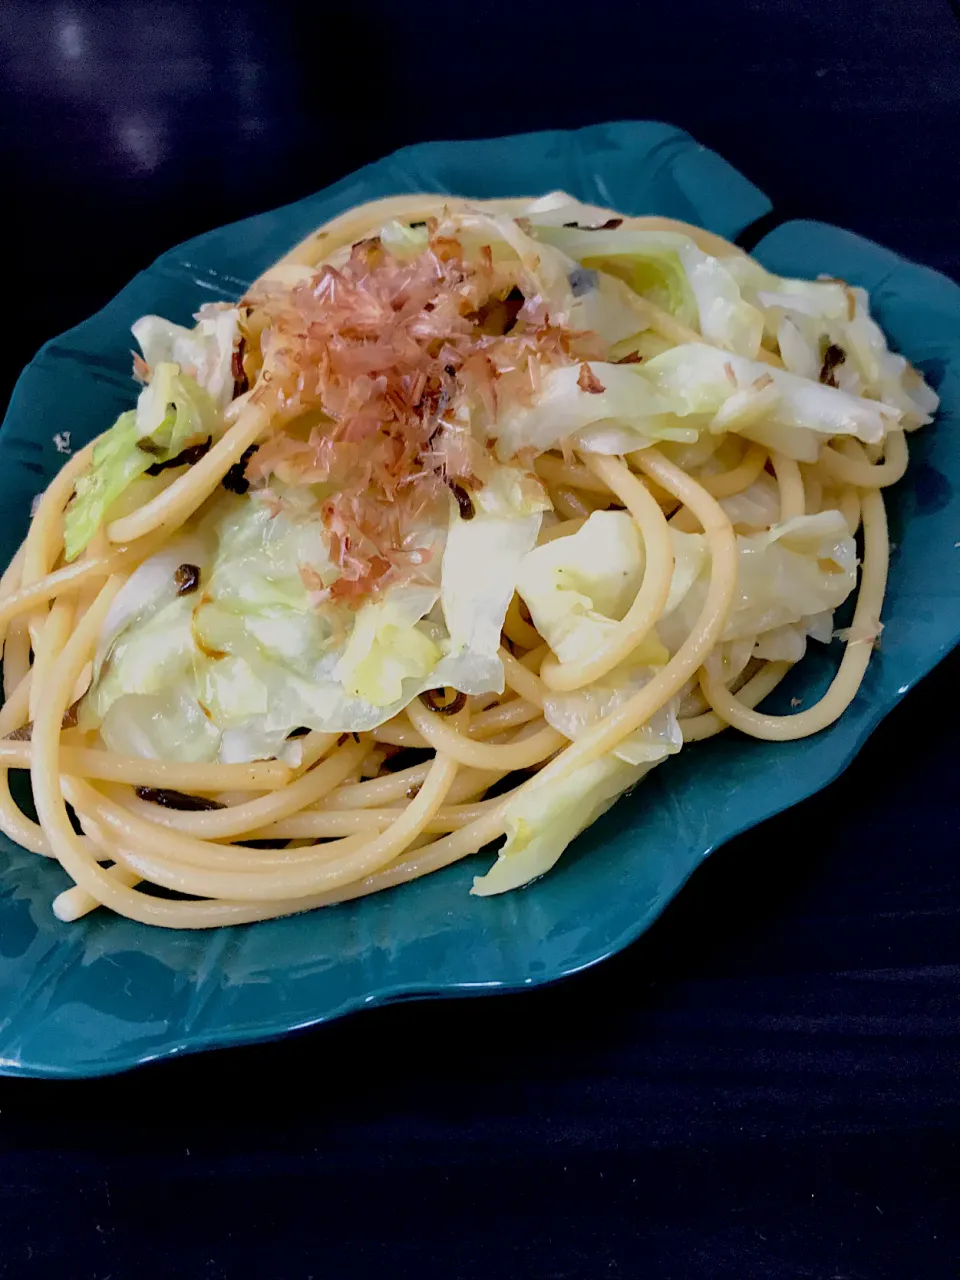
pixel 177 799
pixel 464 501
pixel 235 480
pixel 833 357
pixel 611 224
pixel 187 579
pixel 186 457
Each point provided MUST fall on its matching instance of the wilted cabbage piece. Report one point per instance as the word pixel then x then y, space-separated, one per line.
pixel 205 353
pixel 228 671
pixel 191 383
pixel 541 822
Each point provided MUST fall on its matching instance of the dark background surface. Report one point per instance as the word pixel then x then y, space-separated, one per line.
pixel 767 1084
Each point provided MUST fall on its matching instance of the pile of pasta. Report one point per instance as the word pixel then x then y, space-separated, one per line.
pixel 347 817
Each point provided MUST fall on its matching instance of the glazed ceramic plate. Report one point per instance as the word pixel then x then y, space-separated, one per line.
pixel 106 994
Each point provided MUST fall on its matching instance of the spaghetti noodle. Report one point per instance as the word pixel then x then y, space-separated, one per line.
pixel 539 492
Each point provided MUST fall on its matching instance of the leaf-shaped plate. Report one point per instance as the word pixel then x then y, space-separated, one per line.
pixel 106 994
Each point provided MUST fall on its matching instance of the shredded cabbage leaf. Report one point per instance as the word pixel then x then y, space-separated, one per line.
pixel 190 384
pixel 116 463
pixel 205 352
pixel 673 272
pixel 775 407
pixel 627 414
pixel 171 412
pixel 231 669
pixel 574 712
pixel 807 317
pixel 481 564
pixel 675 395
pixel 387 648
pixel 173 408
pixel 736 303
pixel 790 579
pixel 542 821
pixel 579 587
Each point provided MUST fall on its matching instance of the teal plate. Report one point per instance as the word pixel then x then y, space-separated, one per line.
pixel 107 994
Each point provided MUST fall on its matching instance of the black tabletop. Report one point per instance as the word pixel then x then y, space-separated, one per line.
pixel 766 1085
